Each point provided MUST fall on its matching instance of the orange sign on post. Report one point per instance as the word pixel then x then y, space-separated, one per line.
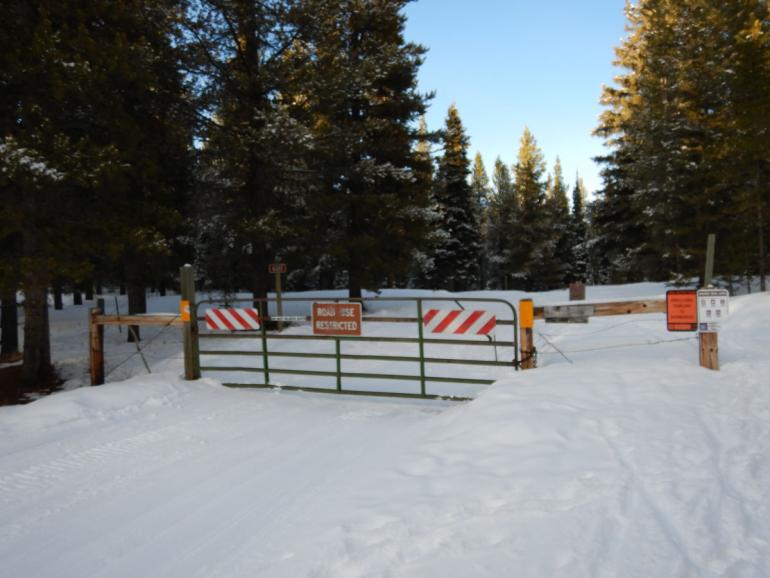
pixel 336 319
pixel 184 310
pixel 682 310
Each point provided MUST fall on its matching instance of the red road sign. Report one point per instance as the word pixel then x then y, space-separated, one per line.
pixel 336 319
pixel 682 310
pixel 276 268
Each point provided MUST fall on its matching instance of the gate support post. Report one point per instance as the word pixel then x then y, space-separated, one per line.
pixel 192 364
pixel 96 342
pixel 526 323
pixel 709 350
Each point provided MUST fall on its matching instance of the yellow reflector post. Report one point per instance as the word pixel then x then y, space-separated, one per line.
pixel 526 313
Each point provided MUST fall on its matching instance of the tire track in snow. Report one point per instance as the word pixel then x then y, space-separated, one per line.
pixel 666 526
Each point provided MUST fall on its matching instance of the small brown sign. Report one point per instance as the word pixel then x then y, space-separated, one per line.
pixel 276 268
pixel 682 310
pixel 336 319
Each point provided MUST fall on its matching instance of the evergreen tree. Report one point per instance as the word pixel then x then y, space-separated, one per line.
pixel 554 269
pixel 252 142
pixel 370 209
pixel 78 146
pixel 578 234
pixel 502 223
pixel 481 193
pixel 532 243
pixel 457 258
pixel 671 120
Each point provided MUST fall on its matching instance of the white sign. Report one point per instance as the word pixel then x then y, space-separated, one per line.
pixel 713 308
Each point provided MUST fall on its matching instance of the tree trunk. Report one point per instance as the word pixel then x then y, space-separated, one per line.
pixel 9 328
pixel 259 280
pixel 760 230
pixel 162 287
pixel 58 303
pixel 37 345
pixel 137 303
pixel 89 287
pixel 77 295
pixel 122 288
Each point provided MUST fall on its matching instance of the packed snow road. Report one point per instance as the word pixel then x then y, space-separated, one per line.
pixel 629 461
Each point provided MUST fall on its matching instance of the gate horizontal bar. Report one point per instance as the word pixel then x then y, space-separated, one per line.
pixel 319 373
pixel 350 338
pixel 348 391
pixel 361 357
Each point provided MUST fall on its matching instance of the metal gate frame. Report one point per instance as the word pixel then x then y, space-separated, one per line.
pixel 264 335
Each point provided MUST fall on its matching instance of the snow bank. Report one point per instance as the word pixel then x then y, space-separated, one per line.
pixel 627 462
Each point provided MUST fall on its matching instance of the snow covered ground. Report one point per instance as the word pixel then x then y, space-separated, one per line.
pixel 618 456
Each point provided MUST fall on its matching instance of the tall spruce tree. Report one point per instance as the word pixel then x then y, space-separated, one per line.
pixel 251 141
pixel 554 269
pixel 481 191
pixel 532 242
pixel 670 122
pixel 81 143
pixel 578 233
pixel 457 258
pixel 502 224
pixel 370 209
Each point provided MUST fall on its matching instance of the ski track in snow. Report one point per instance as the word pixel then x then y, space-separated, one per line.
pixel 635 463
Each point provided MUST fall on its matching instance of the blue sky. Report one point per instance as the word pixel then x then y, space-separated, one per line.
pixel 511 63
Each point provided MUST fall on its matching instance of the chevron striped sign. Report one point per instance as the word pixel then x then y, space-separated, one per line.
pixel 459 322
pixel 233 319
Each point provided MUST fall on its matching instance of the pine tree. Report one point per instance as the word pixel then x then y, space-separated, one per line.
pixel 370 209
pixel 481 193
pixel 531 245
pixel 671 121
pixel 554 269
pixel 502 223
pixel 457 258
pixel 251 140
pixel 578 233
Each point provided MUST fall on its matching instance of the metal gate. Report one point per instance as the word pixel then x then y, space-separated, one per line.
pixel 398 333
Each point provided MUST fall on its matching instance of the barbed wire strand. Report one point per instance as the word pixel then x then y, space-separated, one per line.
pixel 140 349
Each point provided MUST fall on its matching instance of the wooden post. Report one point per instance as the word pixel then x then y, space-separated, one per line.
pixel 96 340
pixel 526 339
pixel 278 294
pixel 709 350
pixel 709 272
pixel 190 329
pixel 577 291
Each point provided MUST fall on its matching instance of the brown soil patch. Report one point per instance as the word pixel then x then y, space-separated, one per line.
pixel 11 392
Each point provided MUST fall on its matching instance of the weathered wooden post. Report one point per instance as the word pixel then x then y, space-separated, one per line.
pixel 96 342
pixel 709 350
pixel 192 368
pixel 577 291
pixel 526 339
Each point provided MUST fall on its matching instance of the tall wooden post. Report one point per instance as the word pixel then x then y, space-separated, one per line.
pixel 278 294
pixel 710 247
pixel 192 368
pixel 526 338
pixel 709 350
pixel 96 340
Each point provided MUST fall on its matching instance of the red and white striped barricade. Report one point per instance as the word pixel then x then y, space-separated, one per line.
pixel 233 319
pixel 459 322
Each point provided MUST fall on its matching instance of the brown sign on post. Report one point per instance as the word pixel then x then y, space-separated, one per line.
pixel 336 319
pixel 682 310
pixel 276 268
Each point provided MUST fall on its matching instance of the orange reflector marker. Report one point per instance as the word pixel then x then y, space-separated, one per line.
pixel 526 313
pixel 184 310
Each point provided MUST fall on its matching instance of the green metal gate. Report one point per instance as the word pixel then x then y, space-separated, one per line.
pixel 258 352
